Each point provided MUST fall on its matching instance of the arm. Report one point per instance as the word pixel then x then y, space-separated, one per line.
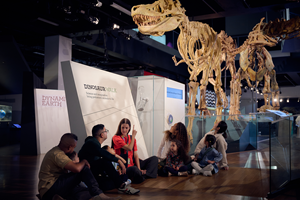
pixel 200 145
pixel 76 167
pixel 137 162
pixel 119 157
pixel 222 147
pixel 129 147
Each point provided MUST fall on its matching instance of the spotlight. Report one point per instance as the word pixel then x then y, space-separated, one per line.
pixel 261 93
pixel 251 88
pixel 98 4
pixel 116 26
pixel 298 100
pixel 275 100
pixel 94 20
pixel 257 92
pixel 280 100
pixel 128 37
pixel 288 100
pixel 246 87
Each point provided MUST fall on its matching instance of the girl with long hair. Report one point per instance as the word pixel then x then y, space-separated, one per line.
pixel 125 146
pixel 178 131
pixel 176 158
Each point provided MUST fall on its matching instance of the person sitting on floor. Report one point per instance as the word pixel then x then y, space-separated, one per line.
pixel 205 163
pixel 125 146
pixel 176 158
pixel 219 131
pixel 101 162
pixel 116 165
pixel 55 183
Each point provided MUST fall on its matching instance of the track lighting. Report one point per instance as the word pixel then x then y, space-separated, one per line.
pixel 288 100
pixel 280 100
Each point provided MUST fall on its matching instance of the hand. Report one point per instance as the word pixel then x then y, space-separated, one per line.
pixel 122 166
pixel 196 157
pixel 143 171
pixel 211 162
pixel 86 163
pixel 177 168
pixel 174 167
pixel 120 172
pixel 134 132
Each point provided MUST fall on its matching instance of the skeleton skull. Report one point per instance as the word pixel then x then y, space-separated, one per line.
pixel 159 17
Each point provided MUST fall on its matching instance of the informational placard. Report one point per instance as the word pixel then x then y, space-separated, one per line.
pixel 52 120
pixel 96 97
pixel 174 93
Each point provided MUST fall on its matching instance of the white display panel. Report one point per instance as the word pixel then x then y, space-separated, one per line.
pixel 157 100
pixel 98 97
pixel 52 119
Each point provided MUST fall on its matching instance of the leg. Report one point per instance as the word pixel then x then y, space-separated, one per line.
pixel 183 169
pixel 106 166
pixel 172 171
pixel 135 174
pixel 197 168
pixel 65 184
pixel 150 165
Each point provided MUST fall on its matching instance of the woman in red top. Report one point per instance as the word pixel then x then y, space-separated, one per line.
pixel 125 146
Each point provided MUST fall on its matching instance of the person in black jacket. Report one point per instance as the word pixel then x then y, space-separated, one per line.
pixel 101 161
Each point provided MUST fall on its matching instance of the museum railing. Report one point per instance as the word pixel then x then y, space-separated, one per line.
pixel 243 134
pixel 284 151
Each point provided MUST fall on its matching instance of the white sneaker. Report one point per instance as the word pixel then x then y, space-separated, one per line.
pixel 209 167
pixel 207 173
pixel 195 172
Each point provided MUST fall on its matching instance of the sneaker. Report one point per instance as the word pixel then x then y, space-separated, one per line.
pixel 129 190
pixel 183 174
pixel 195 172
pixel 207 173
pixel 170 174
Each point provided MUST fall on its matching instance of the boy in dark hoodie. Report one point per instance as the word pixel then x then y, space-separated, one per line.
pixel 101 161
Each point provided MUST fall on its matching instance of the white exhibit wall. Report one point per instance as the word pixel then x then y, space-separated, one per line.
pixel 154 106
pixel 98 97
pixel 52 119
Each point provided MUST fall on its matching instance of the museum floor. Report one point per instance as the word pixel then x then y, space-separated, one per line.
pixel 247 179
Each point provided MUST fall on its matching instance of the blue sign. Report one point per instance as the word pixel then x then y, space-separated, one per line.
pixel 174 93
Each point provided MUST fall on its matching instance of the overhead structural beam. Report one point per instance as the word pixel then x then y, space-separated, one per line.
pixel 242 11
pixel 209 6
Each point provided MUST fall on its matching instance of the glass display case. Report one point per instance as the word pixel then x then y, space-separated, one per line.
pixel 5 113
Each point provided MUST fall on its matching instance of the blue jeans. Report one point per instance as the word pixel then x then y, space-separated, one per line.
pixel 67 186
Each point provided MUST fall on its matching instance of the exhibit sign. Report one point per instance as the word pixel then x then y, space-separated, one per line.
pixel 52 120
pixel 96 97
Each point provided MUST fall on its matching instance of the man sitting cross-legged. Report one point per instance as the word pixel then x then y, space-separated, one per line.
pixel 101 162
pixel 56 183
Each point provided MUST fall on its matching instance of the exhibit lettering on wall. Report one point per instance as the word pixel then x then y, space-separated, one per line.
pixel 95 95
pixel 53 101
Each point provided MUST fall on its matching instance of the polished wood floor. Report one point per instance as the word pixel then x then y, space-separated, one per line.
pixel 247 179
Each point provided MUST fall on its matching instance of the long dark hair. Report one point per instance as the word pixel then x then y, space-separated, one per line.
pixel 223 127
pixel 123 121
pixel 181 135
pixel 180 150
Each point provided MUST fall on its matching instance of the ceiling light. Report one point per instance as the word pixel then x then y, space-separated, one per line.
pixel 280 100
pixel 116 26
pixel 94 20
pixel 275 100
pixel 261 93
pixel 288 100
pixel 98 4
pixel 298 100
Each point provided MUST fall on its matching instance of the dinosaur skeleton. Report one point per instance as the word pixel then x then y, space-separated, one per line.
pixel 203 50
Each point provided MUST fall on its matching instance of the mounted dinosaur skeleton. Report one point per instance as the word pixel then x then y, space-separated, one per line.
pixel 203 50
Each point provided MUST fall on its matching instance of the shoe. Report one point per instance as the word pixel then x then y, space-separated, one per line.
pixel 183 174
pixel 170 174
pixel 129 190
pixel 57 197
pixel 207 173
pixel 195 172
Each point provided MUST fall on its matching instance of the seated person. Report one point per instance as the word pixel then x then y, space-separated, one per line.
pixel 56 183
pixel 219 131
pixel 205 163
pixel 116 165
pixel 101 162
pixel 125 146
pixel 176 158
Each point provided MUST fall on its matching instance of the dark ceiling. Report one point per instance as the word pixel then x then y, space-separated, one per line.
pixel 29 22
